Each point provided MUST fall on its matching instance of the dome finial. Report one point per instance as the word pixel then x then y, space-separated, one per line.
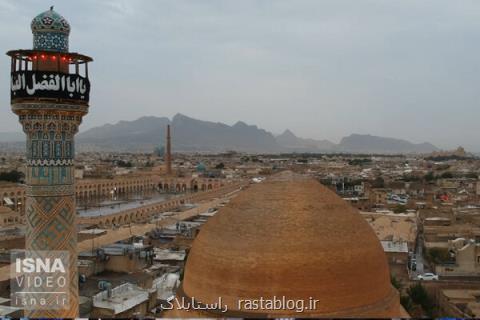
pixel 51 8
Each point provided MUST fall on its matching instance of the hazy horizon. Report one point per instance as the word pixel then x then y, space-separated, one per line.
pixel 323 69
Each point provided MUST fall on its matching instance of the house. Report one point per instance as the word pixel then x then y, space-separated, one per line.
pixel 124 301
pixel 466 254
pixel 379 196
pixel 459 303
pixel 117 257
pixel 396 251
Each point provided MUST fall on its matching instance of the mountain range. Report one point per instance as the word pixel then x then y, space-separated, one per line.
pixel 192 135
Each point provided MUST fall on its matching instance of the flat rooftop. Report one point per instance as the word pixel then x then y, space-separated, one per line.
pixel 122 206
pixel 393 227
pixel 395 246
pixel 93 231
pixel 167 254
pixel 122 298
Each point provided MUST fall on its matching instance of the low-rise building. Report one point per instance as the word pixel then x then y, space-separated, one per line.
pixel 360 203
pixel 396 251
pixel 8 217
pixel 466 255
pixel 117 257
pixel 170 256
pixel 124 301
pixel 379 197
pixel 395 227
pixel 166 285
pixel 437 236
pixel 459 303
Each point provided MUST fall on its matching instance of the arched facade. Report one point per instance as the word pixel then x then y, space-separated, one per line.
pixel 86 190
pixel 148 212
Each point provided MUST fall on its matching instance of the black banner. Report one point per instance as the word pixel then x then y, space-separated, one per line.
pixel 38 84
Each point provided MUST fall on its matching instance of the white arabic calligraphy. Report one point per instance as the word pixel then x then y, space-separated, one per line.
pixel 52 82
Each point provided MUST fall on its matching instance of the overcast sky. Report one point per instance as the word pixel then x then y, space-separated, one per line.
pixel 324 69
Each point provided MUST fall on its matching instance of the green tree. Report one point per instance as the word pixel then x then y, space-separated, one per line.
pixel 359 162
pixel 149 164
pixel 400 209
pixel 419 296
pixel 410 178
pixel 438 255
pixel 429 176
pixel 12 176
pixel 447 175
pixel 396 283
pixel 378 183
pixel 124 164
pixel 406 302
pixel 471 175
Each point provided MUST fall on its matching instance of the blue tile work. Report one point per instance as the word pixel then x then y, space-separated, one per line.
pixel 50 205
pixel 50 31
pixel 50 20
pixel 50 127
pixel 50 148
pixel 50 41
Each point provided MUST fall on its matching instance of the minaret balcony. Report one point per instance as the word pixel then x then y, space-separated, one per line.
pixel 46 76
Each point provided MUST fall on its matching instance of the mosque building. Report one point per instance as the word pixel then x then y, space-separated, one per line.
pixel 50 94
pixel 289 239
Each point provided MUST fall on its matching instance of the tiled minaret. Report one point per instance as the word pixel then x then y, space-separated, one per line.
pixel 50 94
pixel 168 153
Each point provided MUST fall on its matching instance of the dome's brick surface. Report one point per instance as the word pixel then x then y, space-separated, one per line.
pixel 290 236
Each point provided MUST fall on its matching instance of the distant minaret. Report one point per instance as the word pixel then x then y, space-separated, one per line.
pixel 168 153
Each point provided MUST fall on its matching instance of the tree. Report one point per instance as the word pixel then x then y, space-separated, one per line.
pixel 447 175
pixel 429 176
pixel 438 255
pixel 406 302
pixel 419 295
pixel 378 183
pixel 399 209
pixel 471 175
pixel 149 164
pixel 396 283
pixel 124 164
pixel 410 178
pixel 12 176
pixel 359 162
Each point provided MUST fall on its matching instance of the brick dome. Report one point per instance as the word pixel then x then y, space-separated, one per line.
pixel 290 237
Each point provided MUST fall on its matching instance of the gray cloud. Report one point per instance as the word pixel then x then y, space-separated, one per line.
pixel 324 69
